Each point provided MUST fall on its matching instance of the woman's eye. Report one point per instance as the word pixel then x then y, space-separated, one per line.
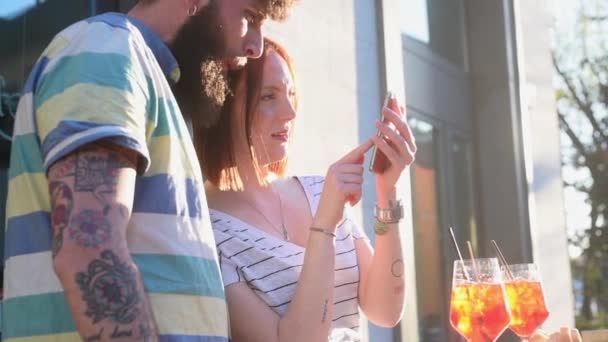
pixel 267 97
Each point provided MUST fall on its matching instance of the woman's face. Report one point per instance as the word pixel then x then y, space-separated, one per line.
pixel 273 121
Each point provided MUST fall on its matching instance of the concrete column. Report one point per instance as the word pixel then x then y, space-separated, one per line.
pixel 545 188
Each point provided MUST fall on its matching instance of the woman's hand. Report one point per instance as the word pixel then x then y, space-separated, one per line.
pixel 343 183
pixel 398 145
pixel 565 334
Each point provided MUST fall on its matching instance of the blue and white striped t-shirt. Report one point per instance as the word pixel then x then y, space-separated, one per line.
pixel 108 77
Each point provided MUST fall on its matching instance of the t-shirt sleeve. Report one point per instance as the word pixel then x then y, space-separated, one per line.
pixel 231 272
pixel 89 92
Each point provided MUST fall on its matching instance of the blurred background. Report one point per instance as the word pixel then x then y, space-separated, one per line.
pixel 507 99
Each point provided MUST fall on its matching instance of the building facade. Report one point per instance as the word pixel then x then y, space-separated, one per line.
pixel 476 78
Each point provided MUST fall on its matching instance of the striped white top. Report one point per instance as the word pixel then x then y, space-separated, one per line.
pixel 271 267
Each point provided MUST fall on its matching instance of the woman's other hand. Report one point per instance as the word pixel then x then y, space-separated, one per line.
pixel 565 334
pixel 343 183
pixel 399 146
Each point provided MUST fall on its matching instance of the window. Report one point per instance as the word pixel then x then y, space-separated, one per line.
pixel 427 233
pixel 439 24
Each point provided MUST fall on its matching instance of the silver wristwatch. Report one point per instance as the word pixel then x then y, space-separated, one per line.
pixel 392 214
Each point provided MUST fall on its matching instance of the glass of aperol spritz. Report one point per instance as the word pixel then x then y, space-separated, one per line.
pixel 525 298
pixel 478 309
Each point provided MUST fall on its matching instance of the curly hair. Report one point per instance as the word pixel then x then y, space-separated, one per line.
pixel 276 9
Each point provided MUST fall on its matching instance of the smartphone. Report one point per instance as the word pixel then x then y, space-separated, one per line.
pixel 379 162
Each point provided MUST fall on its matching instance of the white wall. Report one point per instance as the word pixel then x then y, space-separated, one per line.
pixel 336 47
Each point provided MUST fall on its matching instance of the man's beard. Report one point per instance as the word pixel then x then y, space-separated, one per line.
pixel 198 48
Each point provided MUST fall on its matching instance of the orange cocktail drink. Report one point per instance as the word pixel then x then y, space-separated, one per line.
pixel 478 309
pixel 526 299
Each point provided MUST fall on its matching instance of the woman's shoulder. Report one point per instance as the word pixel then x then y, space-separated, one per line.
pixel 222 224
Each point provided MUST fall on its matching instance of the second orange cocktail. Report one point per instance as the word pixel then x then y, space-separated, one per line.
pixel 525 298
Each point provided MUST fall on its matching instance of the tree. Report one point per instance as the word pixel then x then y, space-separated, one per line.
pixel 581 65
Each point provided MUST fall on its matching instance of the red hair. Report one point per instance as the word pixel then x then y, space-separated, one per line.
pixel 216 146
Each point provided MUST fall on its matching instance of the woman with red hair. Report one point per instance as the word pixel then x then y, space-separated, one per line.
pixel 295 267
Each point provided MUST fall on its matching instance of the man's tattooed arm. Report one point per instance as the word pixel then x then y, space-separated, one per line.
pixel 91 193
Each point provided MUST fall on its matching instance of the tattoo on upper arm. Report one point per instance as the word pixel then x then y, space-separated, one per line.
pixel 94 169
pixel 109 288
pixel 62 202
pixel 397 268
pixel 97 170
pixel 324 311
pixel 90 228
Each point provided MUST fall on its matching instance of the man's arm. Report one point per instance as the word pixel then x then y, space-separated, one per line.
pixel 91 194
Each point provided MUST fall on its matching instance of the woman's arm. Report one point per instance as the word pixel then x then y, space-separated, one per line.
pixel 382 289
pixel 309 315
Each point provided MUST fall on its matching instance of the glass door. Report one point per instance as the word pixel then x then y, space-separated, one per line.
pixel 439 107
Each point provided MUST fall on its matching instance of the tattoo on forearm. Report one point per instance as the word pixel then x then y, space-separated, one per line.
pixel 324 311
pixel 95 337
pixel 145 332
pixel 109 288
pixel 397 268
pixel 62 202
pixel 117 333
pixel 90 228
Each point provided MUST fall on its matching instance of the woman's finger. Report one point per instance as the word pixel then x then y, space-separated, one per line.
pixel 349 168
pixel 351 178
pixel 389 151
pixel 351 189
pixel 402 127
pixel 396 140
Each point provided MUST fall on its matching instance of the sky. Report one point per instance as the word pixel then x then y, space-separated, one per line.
pixel 12 8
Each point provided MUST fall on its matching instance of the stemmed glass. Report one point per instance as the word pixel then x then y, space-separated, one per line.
pixel 478 309
pixel 525 298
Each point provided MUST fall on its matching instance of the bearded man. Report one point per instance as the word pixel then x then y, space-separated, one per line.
pixel 108 234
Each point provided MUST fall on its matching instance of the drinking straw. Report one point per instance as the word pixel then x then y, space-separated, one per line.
pixel 475 270
pixel 503 260
pixel 466 274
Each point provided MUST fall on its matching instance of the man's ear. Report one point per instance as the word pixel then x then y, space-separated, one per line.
pixel 193 6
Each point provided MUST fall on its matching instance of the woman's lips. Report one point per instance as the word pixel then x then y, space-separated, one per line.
pixel 282 136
